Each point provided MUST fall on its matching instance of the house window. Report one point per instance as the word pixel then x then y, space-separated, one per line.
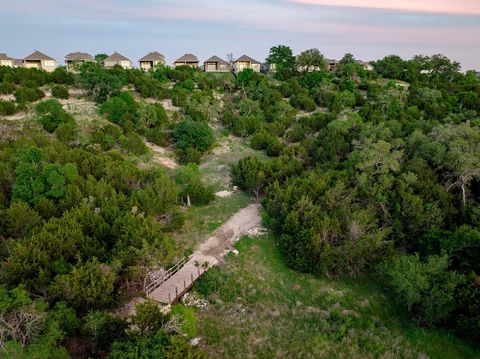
pixel 125 63
pixel 49 63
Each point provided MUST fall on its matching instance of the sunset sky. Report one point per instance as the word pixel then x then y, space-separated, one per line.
pixel 369 29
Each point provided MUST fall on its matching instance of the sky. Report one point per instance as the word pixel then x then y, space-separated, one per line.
pixel 369 29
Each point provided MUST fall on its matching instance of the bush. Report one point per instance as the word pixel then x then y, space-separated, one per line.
pixel 107 136
pixel 26 94
pixel 250 174
pixel 122 110
pixel 88 285
pixel 20 219
pixel 66 132
pixel 159 345
pixel 103 328
pixel 60 91
pixel 193 189
pixel 303 101
pixel 61 76
pixel 51 114
pixel 133 143
pixel 193 138
pixel 263 140
pixel 7 108
pixel 425 289
pixel 6 88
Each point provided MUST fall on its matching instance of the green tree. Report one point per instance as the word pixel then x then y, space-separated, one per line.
pixel 192 135
pixel 311 60
pixel 99 82
pixel 88 285
pixel 425 289
pixel 250 174
pixel 99 58
pixel 50 114
pixel 282 57
pixel 459 155
pixel 20 219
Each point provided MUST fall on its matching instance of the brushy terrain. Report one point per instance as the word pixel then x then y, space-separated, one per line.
pixel 260 308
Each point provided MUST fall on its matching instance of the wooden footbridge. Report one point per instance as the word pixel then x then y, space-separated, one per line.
pixel 175 282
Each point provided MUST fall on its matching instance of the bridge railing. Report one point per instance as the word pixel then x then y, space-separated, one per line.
pixel 165 276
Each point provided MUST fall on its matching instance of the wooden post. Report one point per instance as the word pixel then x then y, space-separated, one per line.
pixel 184 285
pixel 176 292
pixel 169 300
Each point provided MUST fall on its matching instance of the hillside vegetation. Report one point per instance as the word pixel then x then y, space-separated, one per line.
pixel 107 176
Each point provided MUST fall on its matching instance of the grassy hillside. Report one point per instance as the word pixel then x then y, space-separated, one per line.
pixel 260 308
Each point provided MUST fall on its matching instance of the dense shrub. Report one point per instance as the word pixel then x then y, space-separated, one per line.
pixel 193 138
pixel 6 88
pixel 7 108
pixel 107 136
pixel 61 76
pixel 193 190
pixel 26 94
pixel 250 174
pixel 303 102
pixel 66 132
pixel 60 91
pixel 122 110
pixel 133 143
pixel 425 289
pixel 50 114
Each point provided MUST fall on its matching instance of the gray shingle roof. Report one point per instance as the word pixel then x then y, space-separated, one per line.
pixel 217 59
pixel 245 58
pixel 153 56
pixel 187 58
pixel 331 61
pixel 4 57
pixel 79 56
pixel 38 56
pixel 116 57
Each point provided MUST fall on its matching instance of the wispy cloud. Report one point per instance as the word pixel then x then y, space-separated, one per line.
pixel 428 6
pixel 372 28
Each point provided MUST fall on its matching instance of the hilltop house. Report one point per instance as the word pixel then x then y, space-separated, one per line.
pixel 149 61
pixel 38 60
pixel 216 64
pixel 74 59
pixel 187 60
pixel 6 61
pixel 246 62
pixel 366 65
pixel 331 64
pixel 117 59
pixel 266 67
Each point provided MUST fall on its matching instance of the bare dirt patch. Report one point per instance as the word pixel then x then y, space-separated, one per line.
pixel 162 156
pixel 80 108
pixel 169 106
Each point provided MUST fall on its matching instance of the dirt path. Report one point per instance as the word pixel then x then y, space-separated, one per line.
pixel 162 156
pixel 208 254
pixel 244 222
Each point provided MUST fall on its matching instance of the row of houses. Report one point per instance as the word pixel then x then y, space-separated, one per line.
pixel 39 60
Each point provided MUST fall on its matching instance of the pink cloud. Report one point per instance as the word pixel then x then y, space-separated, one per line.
pixel 429 6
